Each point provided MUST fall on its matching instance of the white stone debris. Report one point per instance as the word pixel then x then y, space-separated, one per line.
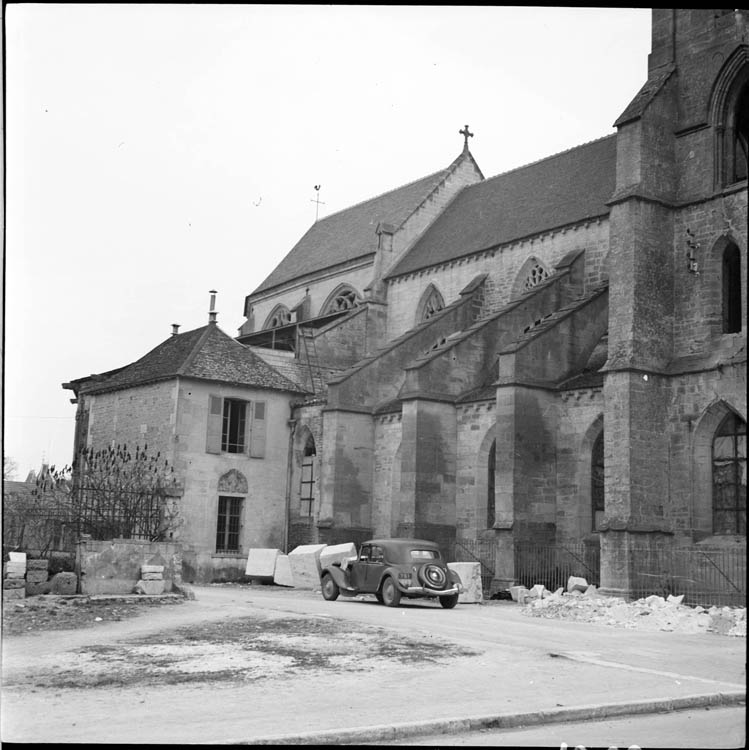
pixel 650 613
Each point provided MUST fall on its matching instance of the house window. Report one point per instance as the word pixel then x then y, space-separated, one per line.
pixel 729 476
pixel 236 426
pixel 731 289
pixel 596 482
pixel 490 479
pixel 307 489
pixel 228 524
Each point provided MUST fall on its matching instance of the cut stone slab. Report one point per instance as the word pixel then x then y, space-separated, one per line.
pixel 36 576
pixel 261 564
pixel 14 583
pixel 152 576
pixel 151 569
pixel 17 557
pixel 675 599
pixel 15 574
pixel 470 576
pixel 575 583
pixel 14 593
pixel 64 583
pixel 337 553
pixel 282 574
pixel 518 593
pixel 152 588
pixel 14 568
pixel 37 564
pixel 538 591
pixel 35 589
pixel 305 565
pixel 591 592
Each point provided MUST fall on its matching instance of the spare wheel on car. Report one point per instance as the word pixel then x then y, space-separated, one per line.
pixel 433 576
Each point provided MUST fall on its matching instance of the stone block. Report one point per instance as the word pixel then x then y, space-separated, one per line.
pixel 152 576
pixel 37 565
pixel 337 553
pixel 591 592
pixel 36 576
pixel 64 583
pixel 518 593
pixel 20 575
pixel 14 568
pixel 305 565
pixel 151 569
pixel 675 599
pixel 654 601
pixel 151 588
pixel 17 557
pixel 261 563
pixel 35 589
pixel 470 578
pixel 537 591
pixel 282 575
pixel 14 593
pixel 14 583
pixel 575 583
pixel 183 589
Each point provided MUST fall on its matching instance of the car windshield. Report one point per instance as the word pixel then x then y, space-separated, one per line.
pixel 424 554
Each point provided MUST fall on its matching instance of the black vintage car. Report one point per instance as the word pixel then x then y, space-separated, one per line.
pixel 391 569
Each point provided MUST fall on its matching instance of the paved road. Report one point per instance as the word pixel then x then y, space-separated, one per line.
pixel 523 665
pixel 719 728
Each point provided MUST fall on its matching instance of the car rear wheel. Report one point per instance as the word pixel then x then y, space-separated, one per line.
pixel 448 602
pixel 330 588
pixel 391 595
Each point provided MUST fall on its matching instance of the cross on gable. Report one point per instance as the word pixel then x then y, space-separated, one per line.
pixel 466 135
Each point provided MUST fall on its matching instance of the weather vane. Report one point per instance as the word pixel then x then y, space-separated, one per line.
pixel 317 201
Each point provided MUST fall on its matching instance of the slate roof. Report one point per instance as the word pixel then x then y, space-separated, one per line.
pixel 560 190
pixel 205 353
pixel 350 233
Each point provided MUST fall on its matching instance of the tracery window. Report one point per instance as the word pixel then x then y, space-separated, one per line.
pixel 729 476
pixel 344 299
pixel 431 303
pixel 738 143
pixel 280 316
pixel 536 274
pixel 731 289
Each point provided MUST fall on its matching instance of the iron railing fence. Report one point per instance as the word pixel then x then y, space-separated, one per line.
pixel 705 576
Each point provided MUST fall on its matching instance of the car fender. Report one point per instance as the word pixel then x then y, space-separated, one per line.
pixel 392 572
pixel 339 576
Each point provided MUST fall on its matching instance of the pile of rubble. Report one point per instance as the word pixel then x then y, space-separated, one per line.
pixel 582 602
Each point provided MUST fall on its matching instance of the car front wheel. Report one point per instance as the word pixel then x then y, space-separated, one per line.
pixel 391 595
pixel 448 602
pixel 330 589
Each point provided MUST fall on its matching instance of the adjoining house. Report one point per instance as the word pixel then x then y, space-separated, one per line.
pixel 555 355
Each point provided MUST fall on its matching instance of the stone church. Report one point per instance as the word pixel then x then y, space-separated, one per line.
pixel 555 354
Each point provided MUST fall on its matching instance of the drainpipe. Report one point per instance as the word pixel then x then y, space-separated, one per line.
pixel 289 468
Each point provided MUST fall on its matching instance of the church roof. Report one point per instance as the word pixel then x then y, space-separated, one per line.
pixel 205 353
pixel 560 190
pixel 350 234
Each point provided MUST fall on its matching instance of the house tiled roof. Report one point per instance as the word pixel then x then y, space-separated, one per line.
pixel 350 234
pixel 205 353
pixel 557 191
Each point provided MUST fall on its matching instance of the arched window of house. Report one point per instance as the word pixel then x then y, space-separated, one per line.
pixel 731 289
pixel 430 304
pixel 307 486
pixel 343 298
pixel 490 479
pixel 729 476
pixel 597 497
pixel 280 316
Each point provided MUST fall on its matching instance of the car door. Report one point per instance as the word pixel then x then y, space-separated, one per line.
pixel 375 568
pixel 359 567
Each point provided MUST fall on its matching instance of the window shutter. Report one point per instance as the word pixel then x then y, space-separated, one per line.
pixel 257 435
pixel 215 423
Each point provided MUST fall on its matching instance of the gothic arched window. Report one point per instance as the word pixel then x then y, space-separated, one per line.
pixel 597 498
pixel 280 316
pixel 729 476
pixel 344 298
pixel 731 272
pixel 431 303
pixel 490 478
pixel 536 274
pixel 738 143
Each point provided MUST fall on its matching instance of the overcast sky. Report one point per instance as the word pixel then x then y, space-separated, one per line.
pixel 156 152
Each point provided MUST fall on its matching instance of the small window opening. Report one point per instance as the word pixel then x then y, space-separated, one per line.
pixel 731 290
pixel 597 496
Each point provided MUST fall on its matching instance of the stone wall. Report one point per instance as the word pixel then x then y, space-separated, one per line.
pixel 113 567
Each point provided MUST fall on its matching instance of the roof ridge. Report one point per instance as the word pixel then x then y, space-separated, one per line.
pixel 381 195
pixel 190 358
pixel 543 159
